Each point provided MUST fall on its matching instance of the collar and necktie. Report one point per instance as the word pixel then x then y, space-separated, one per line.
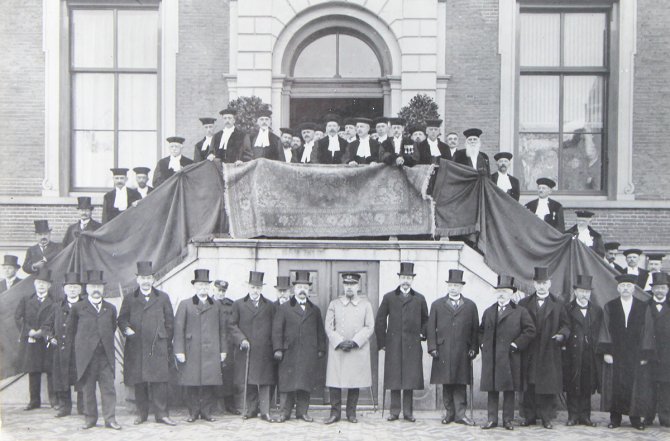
pixel 206 143
pixel 542 208
pixel 541 301
pixel 263 139
pixel 434 149
pixel 333 144
pixel 147 295
pixel 226 137
pixel 659 305
pixel 121 199
pixel 97 305
pixel 302 304
pixel 501 308
pixel 455 302
pixel 255 302
pixel 363 150
pixel 175 163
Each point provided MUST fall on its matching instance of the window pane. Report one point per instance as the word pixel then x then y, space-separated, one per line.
pixel 317 59
pixel 540 39
pixel 138 105
pixel 538 156
pixel 357 59
pixel 584 39
pixel 581 161
pixel 93 38
pixel 138 39
pixel 137 149
pixel 93 101
pixel 93 153
pixel 538 103
pixel 583 103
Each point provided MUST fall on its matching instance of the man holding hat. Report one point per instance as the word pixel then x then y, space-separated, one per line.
pixel 659 306
pixel 226 393
pixel 654 265
pixel 400 327
pixel 32 317
pixel 398 149
pixel 471 155
pixel 626 342
pixel 581 362
pixel 299 343
pixel 264 143
pixel 120 198
pixel 147 321
pixel 200 347
pixel 203 148
pixel 251 327
pixel 331 147
pixel 85 223
pixel 632 268
pixel 452 342
pixel 363 150
pixel 168 166
pixel 506 182
pixel 94 326
pixel 142 180
pixel 231 145
pixel 42 252
pixel 432 149
pixel 349 325
pixel 611 250
pixel 544 207
pixel 543 370
pixel 505 332
pixel 10 265
pixel 286 152
pixel 307 153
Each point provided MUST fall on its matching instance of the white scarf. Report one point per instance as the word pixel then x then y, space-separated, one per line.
pixel 288 154
pixel 307 152
pixel 206 143
pixel 504 183
pixel 175 163
pixel 542 208
pixel 364 147
pixel 397 144
pixel 333 144
pixel 434 149
pixel 121 199
pixel 584 237
pixel 262 140
pixel 225 137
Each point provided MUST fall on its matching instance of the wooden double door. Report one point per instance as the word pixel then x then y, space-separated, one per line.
pixel 326 278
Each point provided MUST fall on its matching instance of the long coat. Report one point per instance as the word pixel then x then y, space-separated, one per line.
pixel 238 147
pixel 349 320
pixel 483 167
pixel 147 354
pixel 425 156
pixel 255 325
pixel 269 152
pixel 33 314
pixel 162 172
pixel 64 369
pixel 400 326
pixel 351 154
pixel 228 368
pixel 660 366
pixel 515 191
pixel 501 367
pixel 109 212
pixel 598 244
pixel 581 363
pixel 200 334
pixel 3 284
pixel 452 332
pixel 74 230
pixel 34 254
pixel 542 359
pixel 555 217
pixel 301 337
pixel 91 328
pixel 325 156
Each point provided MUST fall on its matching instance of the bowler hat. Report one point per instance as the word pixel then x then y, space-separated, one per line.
pixel 95 277
pixel 221 284
pixel 350 278
pixel 501 155
pixel 175 139
pixel 119 171
pixel 406 269
pixel 626 278
pixel 43 274
pixel 541 274
pixel 659 278
pixel 72 279
pixel 302 277
pixel 207 120
pixel 144 268
pixel 506 282
pixel 84 203
pixel 256 278
pixel 42 226
pixel 200 275
pixel 583 282
pixel 11 261
pixel 283 283
pixel 472 132
pixel 456 276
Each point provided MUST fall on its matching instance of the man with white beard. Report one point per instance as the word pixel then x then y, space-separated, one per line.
pixel 471 156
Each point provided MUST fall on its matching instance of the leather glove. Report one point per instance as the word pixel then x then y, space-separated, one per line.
pixel 353 344
pixel 278 355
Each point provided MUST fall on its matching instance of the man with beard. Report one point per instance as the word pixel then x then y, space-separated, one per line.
pixel 226 392
pixel 431 150
pixel 417 133
pixel 120 198
pixel 544 207
pixel 632 268
pixel 543 369
pixel 147 321
pixel 42 252
pixel 203 148
pixel 363 150
pixel 142 180
pixel 506 182
pixel 398 150
pixel 611 250
pixel 168 166
pixel 10 266
pixel 299 341
pixel 331 147
pixel 296 143
pixel 626 342
pixel 350 133
pixel 264 143
pixel 85 209
pixel 307 153
pixel 582 364
pixel 231 145
pixel 452 143
pixel 287 153
pixel 659 306
pixel 452 342
pixel 471 156
pixel 400 327
pixel 583 231
pixel 505 332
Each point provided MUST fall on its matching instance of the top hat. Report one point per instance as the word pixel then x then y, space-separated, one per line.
pixel 626 278
pixel 95 277
pixel 612 245
pixel 541 274
pixel 472 132
pixel 11 261
pixel 456 276
pixel 406 269
pixel 506 282
pixel 632 251
pixel 84 203
pixel 433 122
pixel 221 284
pixel 43 274
pixel 283 283
pixel 583 282
pixel 659 278
pixel 144 268
pixel 302 277
pixel 71 279
pixel 349 278
pixel 207 120
pixel 141 170
pixel 501 155
pixel 119 171
pixel 175 139
pixel 546 181
pixel 200 275
pixel 42 226
pixel 256 278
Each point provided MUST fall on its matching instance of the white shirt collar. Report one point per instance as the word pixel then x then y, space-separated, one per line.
pixel 364 147
pixel 175 163
pixel 307 152
pixel 263 138
pixel 434 149
pixel 354 300
pixel 542 208
pixel 143 191
pixel 121 199
pixel 333 144
pixel 503 182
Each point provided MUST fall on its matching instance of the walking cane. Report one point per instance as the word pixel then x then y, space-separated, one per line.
pixel 246 381
pixel 383 400
pixel 472 382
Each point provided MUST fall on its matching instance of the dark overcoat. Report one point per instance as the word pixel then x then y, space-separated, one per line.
pixel 33 314
pixel 74 230
pixel 34 254
pixel 3 284
pixel 228 367
pixel 661 364
pixel 452 332
pixel 64 369
pixel 91 328
pixel 581 363
pixel 400 326
pixel 147 354
pixel 325 156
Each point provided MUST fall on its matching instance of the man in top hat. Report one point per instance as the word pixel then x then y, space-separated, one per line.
pixel 471 155
pixel 32 317
pixel 544 207
pixel 363 150
pixel 200 347
pixel 626 342
pixel 382 126
pixel 251 327
pixel 147 321
pixel 264 143
pixel 168 166
pixel 506 182
pixel 400 327
pixel 39 254
pixel 203 148
pixel 581 362
pixel 231 145
pixel 331 147
pixel 60 336
pixel 632 268
pixel 349 326
pixel 505 332
pixel 398 149
pixel 452 143
pixel 10 266
pixel 585 233
pixel 120 198
pixel 299 342
pixel 226 393
pixel 283 288
pixel 659 306
pixel 94 326
pixel 452 342
pixel 286 151
pixel 654 265
pixel 432 149
pixel 85 223
pixel 543 371
pixel 611 250
pixel 308 152
pixel 142 180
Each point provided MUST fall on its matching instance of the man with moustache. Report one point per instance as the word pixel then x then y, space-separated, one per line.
pixel 350 133
pixel 147 321
pixel 226 393
pixel 471 156
pixel 308 152
pixel 168 166
pixel 659 306
pixel 142 180
pixel 583 231
pixel 10 266
pixel 453 327
pixel 287 153
pixel 547 209
pixel 398 150
pixel 381 125
pixel 632 268
pixel 505 332
pixel 331 147
pixel 264 143
pixel 654 265
pixel 283 289
pixel 452 143
pixel 85 209
pixel 417 133
pixel 363 150
pixel 611 250
pixel 400 327
pixel 431 150
pixel 200 347
pixel 582 363
pixel 299 342
pixel 94 326
pixel 120 198
pixel 42 252
pixel 506 182
pixel 231 145
pixel 203 148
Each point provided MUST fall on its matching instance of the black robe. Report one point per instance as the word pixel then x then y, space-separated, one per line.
pixel 482 168
pixel 581 363
pixel 389 156
pixel 109 212
pixel 555 217
pixel 238 147
pixel 325 156
pixel 425 156
pixel 162 172
pixel 598 244
pixel 515 191
pixel 352 150
pixel 269 152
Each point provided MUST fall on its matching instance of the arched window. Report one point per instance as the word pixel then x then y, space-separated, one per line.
pixel 337 55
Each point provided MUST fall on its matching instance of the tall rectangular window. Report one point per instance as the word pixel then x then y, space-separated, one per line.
pixel 114 92
pixel 562 98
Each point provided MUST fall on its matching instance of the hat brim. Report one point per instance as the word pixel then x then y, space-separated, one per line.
pixel 301 282
pixel 100 282
pixel 17 266
pixel 513 288
pixel 407 274
pixel 453 281
pixel 256 284
pixel 589 288
pixel 195 280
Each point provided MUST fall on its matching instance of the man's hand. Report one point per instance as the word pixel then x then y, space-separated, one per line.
pixel 558 337
pixel 40 264
pixel 352 163
pixel 244 346
pixel 134 204
pixel 472 354
pixel 399 161
pixel 514 347
pixel 32 333
pixel 53 341
pixel 129 331
pixel 608 358
pixel 223 356
pixel 434 354
pixel 211 157
pixel 181 358
pixel 278 355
